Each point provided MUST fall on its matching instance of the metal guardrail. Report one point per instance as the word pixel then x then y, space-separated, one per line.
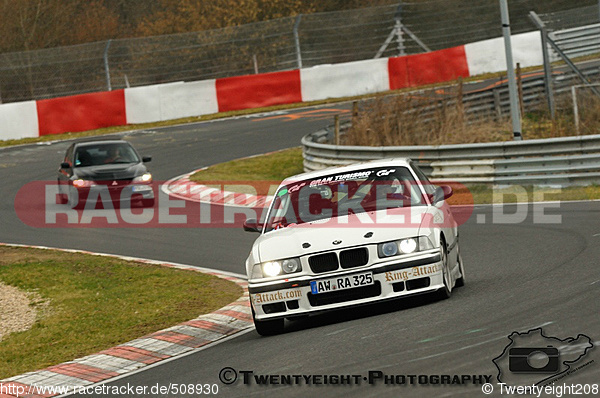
pixel 555 161
pixel 580 41
pixel 548 170
pixel 496 102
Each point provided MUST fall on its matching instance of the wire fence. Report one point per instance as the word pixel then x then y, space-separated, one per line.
pixel 276 45
pixel 572 18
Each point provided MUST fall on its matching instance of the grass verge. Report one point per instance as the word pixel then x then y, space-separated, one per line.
pixel 274 167
pixel 271 166
pixel 92 303
pixel 260 171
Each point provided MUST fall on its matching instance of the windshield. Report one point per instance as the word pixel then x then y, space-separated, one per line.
pixel 344 194
pixel 99 154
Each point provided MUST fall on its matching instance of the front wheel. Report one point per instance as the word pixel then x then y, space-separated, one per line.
pixel 268 328
pixel 460 282
pixel 63 198
pixel 445 292
pixel 74 199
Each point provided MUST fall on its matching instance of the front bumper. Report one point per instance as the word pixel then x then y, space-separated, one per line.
pixel 394 278
pixel 117 194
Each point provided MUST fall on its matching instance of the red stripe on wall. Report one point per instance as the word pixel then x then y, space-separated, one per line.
pixel 398 73
pixel 81 112
pixel 254 91
pixel 428 68
pixel 437 66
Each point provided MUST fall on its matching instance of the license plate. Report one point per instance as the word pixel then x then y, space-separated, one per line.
pixel 341 283
pixel 141 188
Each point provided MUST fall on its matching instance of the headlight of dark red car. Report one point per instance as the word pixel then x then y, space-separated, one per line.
pixel 145 178
pixel 79 183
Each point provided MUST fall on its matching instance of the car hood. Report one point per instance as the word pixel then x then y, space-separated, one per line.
pixel 110 171
pixel 316 237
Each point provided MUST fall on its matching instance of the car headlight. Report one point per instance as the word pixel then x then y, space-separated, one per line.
pixel 79 183
pixel 145 178
pixel 408 245
pixel 404 246
pixel 388 249
pixel 290 265
pixel 272 269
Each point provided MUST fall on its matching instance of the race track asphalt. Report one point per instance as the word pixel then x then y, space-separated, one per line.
pixel 175 150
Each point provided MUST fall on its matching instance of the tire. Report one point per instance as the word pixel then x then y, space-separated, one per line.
pixel 63 198
pixel 446 291
pixel 268 328
pixel 460 282
pixel 79 204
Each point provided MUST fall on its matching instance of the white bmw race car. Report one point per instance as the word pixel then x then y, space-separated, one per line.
pixel 348 236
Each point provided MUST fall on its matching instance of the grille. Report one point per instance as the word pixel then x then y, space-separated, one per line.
pixel 354 257
pixel 345 295
pixel 323 262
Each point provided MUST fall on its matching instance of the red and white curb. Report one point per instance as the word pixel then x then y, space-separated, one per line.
pixel 144 351
pixel 182 187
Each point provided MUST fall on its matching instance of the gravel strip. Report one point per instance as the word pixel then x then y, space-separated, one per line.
pixel 16 314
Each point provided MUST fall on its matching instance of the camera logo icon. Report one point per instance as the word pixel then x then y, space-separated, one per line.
pixel 533 360
pixel 532 357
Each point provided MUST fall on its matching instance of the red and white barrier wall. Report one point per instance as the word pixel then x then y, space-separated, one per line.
pixel 177 100
pixel 489 56
pixel 18 120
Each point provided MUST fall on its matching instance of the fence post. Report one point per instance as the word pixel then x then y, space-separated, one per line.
pixel 106 68
pixel 547 65
pixel 575 108
pixel 520 88
pixel 515 115
pixel 297 41
pixel 497 104
pixel 459 101
pixel 399 32
pixel 255 63
pixel 337 129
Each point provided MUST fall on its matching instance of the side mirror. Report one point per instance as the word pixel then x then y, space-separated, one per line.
pixel 65 165
pixel 442 193
pixel 251 225
pixel 146 159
